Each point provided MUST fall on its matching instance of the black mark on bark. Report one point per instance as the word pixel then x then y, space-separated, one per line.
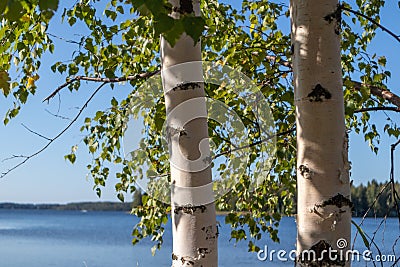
pixel 186 86
pixel 170 131
pixel 190 209
pixel 337 17
pixel 186 6
pixel 318 94
pixel 339 201
pixel 187 260
pixel 211 234
pixel 174 257
pixel 203 251
pixel 305 171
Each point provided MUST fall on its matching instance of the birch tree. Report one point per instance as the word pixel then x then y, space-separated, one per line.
pixel 119 43
pixel 323 186
pixel 194 227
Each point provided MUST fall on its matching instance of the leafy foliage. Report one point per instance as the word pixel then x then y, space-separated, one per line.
pixel 124 41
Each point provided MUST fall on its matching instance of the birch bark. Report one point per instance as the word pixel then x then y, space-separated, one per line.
pixel 324 206
pixel 194 225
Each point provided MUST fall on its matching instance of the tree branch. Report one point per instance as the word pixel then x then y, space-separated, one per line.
pixel 383 28
pixel 51 140
pixel 280 62
pixel 255 143
pixel 238 148
pixel 379 92
pixel 396 109
pixel 374 90
pixel 103 80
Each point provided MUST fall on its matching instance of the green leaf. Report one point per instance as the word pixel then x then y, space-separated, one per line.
pixel 114 102
pixel 98 192
pixel 120 9
pixel 51 5
pixel 111 14
pixel 120 197
pixel 14 10
pixel 362 233
pixel 3 5
pixel 5 83
pixel 70 157
pixel 194 27
pixel 173 35
pixel 109 73
pixel 163 24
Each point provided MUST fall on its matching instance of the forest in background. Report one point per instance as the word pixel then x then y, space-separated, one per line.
pixel 373 194
pixel 376 195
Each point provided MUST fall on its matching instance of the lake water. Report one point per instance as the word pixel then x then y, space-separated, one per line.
pixel 100 239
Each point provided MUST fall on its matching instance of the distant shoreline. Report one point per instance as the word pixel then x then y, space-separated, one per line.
pixel 91 206
pixel 79 206
pixel 85 206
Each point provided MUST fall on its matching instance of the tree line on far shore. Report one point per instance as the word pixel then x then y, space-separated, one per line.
pixel 374 197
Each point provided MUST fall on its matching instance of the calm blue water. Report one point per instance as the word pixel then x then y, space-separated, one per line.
pixel 102 239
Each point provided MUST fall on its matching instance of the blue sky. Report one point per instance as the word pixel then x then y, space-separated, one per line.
pixel 48 178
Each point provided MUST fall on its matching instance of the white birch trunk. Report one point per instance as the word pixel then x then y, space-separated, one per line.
pixel 194 225
pixel 323 206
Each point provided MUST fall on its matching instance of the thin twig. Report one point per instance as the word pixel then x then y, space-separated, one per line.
pixel 63 39
pixel 14 157
pixel 238 148
pixel 35 133
pixel 393 249
pixel 57 116
pixel 103 80
pixel 255 143
pixel 395 195
pixel 57 136
pixel 368 210
pixel 373 238
pixel 280 62
pixel 383 28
